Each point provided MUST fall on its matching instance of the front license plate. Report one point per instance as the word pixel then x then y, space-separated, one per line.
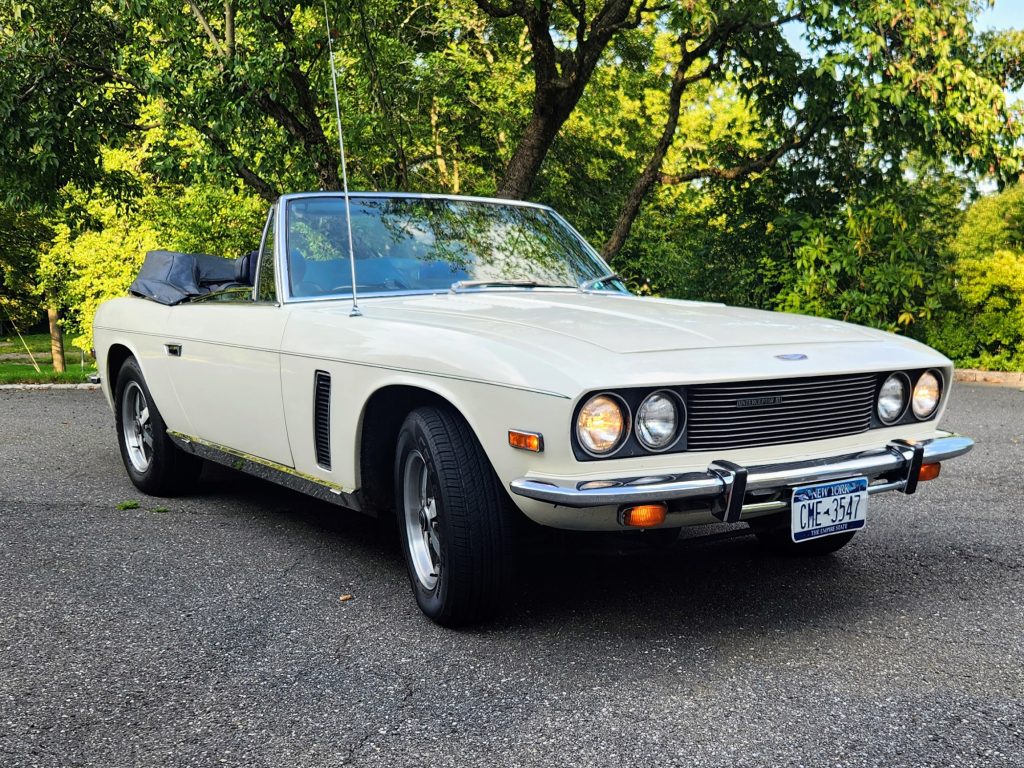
pixel 829 508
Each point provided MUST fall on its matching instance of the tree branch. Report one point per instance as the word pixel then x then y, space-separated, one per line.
pixel 752 165
pixel 262 187
pixel 718 37
pixel 206 27
pixel 651 171
pixel 514 8
pixel 229 27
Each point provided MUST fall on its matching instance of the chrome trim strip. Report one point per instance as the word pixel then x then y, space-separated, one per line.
pixel 423 292
pixel 892 459
pixel 269 470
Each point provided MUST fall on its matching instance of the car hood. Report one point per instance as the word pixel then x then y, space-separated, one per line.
pixel 617 323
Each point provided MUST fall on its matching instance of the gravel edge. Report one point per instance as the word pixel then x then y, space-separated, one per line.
pixel 999 378
pixel 23 387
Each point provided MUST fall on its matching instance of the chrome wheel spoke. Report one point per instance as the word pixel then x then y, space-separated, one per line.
pixel 421 524
pixel 136 427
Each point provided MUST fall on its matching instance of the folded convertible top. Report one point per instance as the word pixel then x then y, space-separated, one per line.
pixel 169 278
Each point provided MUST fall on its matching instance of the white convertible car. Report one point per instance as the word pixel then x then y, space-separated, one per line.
pixel 488 366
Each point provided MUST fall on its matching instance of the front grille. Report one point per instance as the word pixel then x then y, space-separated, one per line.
pixel 755 413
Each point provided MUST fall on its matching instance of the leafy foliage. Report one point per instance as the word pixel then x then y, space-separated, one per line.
pixel 95 265
pixel 880 262
pixel 62 97
pixel 983 325
pixel 23 235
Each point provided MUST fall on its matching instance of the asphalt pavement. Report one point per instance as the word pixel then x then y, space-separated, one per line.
pixel 214 633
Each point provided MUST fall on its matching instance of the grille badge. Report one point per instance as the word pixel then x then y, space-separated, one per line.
pixel 792 356
pixel 757 402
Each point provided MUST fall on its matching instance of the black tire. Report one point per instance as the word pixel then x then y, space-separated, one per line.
pixel 776 536
pixel 471 553
pixel 169 471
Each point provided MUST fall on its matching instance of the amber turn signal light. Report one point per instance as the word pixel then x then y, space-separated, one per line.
pixel 643 515
pixel 929 472
pixel 526 441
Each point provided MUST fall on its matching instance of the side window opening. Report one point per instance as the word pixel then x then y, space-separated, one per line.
pixel 266 287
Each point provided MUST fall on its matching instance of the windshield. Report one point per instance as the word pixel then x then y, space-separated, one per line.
pixel 434 244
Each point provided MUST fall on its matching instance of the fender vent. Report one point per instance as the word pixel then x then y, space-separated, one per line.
pixel 322 418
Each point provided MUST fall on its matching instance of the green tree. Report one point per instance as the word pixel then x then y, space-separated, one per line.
pixel 62 97
pixel 882 262
pixel 983 322
pixel 22 237
pixel 884 79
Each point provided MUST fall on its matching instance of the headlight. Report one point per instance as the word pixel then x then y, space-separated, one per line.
pixel 892 398
pixel 927 392
pixel 657 421
pixel 601 425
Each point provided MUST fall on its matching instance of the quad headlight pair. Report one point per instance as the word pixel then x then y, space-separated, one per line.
pixel 896 394
pixel 604 422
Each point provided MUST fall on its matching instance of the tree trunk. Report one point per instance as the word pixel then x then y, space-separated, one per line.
pixel 635 199
pixel 651 172
pixel 442 166
pixel 229 27
pixel 529 155
pixel 56 340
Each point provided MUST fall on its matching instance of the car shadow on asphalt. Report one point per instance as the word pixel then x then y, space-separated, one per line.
pixel 695 581
pixel 268 502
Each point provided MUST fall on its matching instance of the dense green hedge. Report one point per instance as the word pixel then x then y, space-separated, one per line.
pixel 983 322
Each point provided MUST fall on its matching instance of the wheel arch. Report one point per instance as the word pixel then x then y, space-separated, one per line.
pixel 117 354
pixel 113 359
pixel 386 409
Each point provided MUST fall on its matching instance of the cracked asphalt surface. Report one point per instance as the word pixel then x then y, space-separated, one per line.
pixel 213 633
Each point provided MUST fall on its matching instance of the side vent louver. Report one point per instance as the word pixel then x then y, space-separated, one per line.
pixel 322 418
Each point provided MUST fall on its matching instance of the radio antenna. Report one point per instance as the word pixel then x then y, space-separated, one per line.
pixel 344 173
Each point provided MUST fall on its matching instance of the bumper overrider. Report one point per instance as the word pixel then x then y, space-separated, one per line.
pixel 732 491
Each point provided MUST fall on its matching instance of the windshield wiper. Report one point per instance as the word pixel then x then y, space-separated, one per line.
pixel 463 285
pixel 588 285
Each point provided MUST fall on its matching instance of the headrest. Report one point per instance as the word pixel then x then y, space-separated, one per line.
pixel 245 268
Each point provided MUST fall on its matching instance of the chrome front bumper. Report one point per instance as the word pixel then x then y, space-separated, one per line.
pixel 725 485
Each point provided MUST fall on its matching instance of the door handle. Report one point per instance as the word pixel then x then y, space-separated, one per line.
pixel 173 350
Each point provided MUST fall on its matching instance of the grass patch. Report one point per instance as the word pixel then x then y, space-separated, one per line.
pixel 16 365
pixel 23 373
pixel 37 342
pixel 160 510
pixel 125 505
